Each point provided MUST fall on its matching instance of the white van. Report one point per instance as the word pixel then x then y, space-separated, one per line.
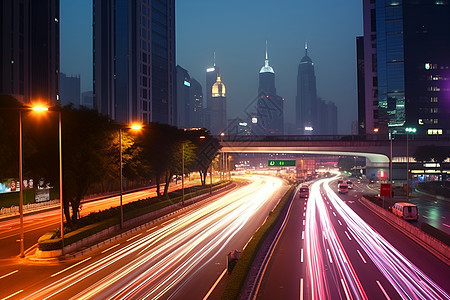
pixel 405 210
pixel 343 188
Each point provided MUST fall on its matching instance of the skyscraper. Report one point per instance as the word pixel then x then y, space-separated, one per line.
pixel 306 101
pixel 217 107
pixel 196 116
pixel 269 107
pixel 70 89
pixel 134 60
pixel 407 66
pixel 183 90
pixel 29 55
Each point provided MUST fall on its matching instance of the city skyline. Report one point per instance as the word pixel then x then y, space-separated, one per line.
pixel 238 47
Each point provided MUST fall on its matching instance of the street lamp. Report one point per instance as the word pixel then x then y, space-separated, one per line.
pixel 36 108
pixel 132 127
pixel 408 130
pixel 182 174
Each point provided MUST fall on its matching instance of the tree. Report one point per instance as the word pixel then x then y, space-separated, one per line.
pixel 86 139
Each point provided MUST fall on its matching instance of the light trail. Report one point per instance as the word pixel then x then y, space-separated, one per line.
pixel 160 262
pixel 326 255
pixel 320 234
pixel 408 280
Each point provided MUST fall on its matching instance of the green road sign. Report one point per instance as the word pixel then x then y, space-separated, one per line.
pixel 281 163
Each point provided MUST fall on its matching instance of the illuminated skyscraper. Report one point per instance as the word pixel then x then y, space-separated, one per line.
pixel 306 101
pixel 217 107
pixel 406 66
pixel 134 60
pixel 269 108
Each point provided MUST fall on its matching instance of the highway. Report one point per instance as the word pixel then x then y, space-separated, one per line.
pixel 181 257
pixel 334 248
pixel 36 224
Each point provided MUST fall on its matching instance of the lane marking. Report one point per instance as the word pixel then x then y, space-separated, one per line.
pixel 348 235
pixel 303 235
pixel 12 295
pixel 301 256
pixel 110 248
pixel 425 217
pixel 215 284
pixel 339 222
pixel 329 256
pixel 72 266
pixel 303 222
pixel 334 214
pixel 132 238
pixel 445 224
pixel 331 207
pixel 304 214
pixel 301 288
pixel 6 275
pixel 382 289
pixel 362 257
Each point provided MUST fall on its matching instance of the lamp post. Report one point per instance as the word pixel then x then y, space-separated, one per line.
pixel 133 127
pixel 390 163
pixel 20 186
pixel 61 182
pixel 408 130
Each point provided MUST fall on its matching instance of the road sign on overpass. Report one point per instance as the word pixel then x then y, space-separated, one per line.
pixel 281 163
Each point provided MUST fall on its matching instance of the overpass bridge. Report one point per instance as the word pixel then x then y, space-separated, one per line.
pixel 376 149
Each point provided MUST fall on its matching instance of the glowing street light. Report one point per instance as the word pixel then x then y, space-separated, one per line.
pixel 135 127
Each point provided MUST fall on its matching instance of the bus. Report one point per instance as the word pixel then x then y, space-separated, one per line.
pixel 405 210
pixel 304 191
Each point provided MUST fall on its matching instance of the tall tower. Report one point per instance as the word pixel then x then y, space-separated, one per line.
pixel 29 55
pixel 134 60
pixel 217 107
pixel 306 100
pixel 267 78
pixel 269 107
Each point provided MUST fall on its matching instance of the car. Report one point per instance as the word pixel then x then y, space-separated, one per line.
pixel 343 188
pixel 371 180
pixel 340 181
pixel 304 191
pixel 350 184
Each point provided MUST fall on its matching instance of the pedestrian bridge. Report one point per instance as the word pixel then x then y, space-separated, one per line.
pixel 375 149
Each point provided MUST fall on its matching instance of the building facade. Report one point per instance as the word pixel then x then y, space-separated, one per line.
pixel 217 108
pixel 196 115
pixel 407 66
pixel 29 54
pixel 70 90
pixel 270 106
pixel 306 100
pixel 134 60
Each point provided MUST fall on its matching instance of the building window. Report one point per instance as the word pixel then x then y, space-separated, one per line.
pixel 434 131
pixel 375 81
pixel 434 99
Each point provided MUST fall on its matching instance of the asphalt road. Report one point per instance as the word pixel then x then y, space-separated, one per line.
pixel 335 248
pixel 180 258
pixel 37 224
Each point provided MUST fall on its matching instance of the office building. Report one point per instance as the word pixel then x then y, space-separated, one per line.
pixel 196 114
pixel 361 123
pixel 328 117
pixel 407 66
pixel 217 108
pixel 183 103
pixel 134 60
pixel 29 54
pixel 306 100
pixel 69 90
pixel 269 107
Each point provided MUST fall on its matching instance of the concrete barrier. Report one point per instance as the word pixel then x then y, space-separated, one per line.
pixel 433 245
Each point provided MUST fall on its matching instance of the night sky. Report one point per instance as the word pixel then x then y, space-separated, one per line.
pixel 237 30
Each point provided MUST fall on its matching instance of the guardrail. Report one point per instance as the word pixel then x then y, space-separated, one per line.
pixel 6 212
pixel 433 245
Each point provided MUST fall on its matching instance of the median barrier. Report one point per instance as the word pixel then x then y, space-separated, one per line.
pixel 433 245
